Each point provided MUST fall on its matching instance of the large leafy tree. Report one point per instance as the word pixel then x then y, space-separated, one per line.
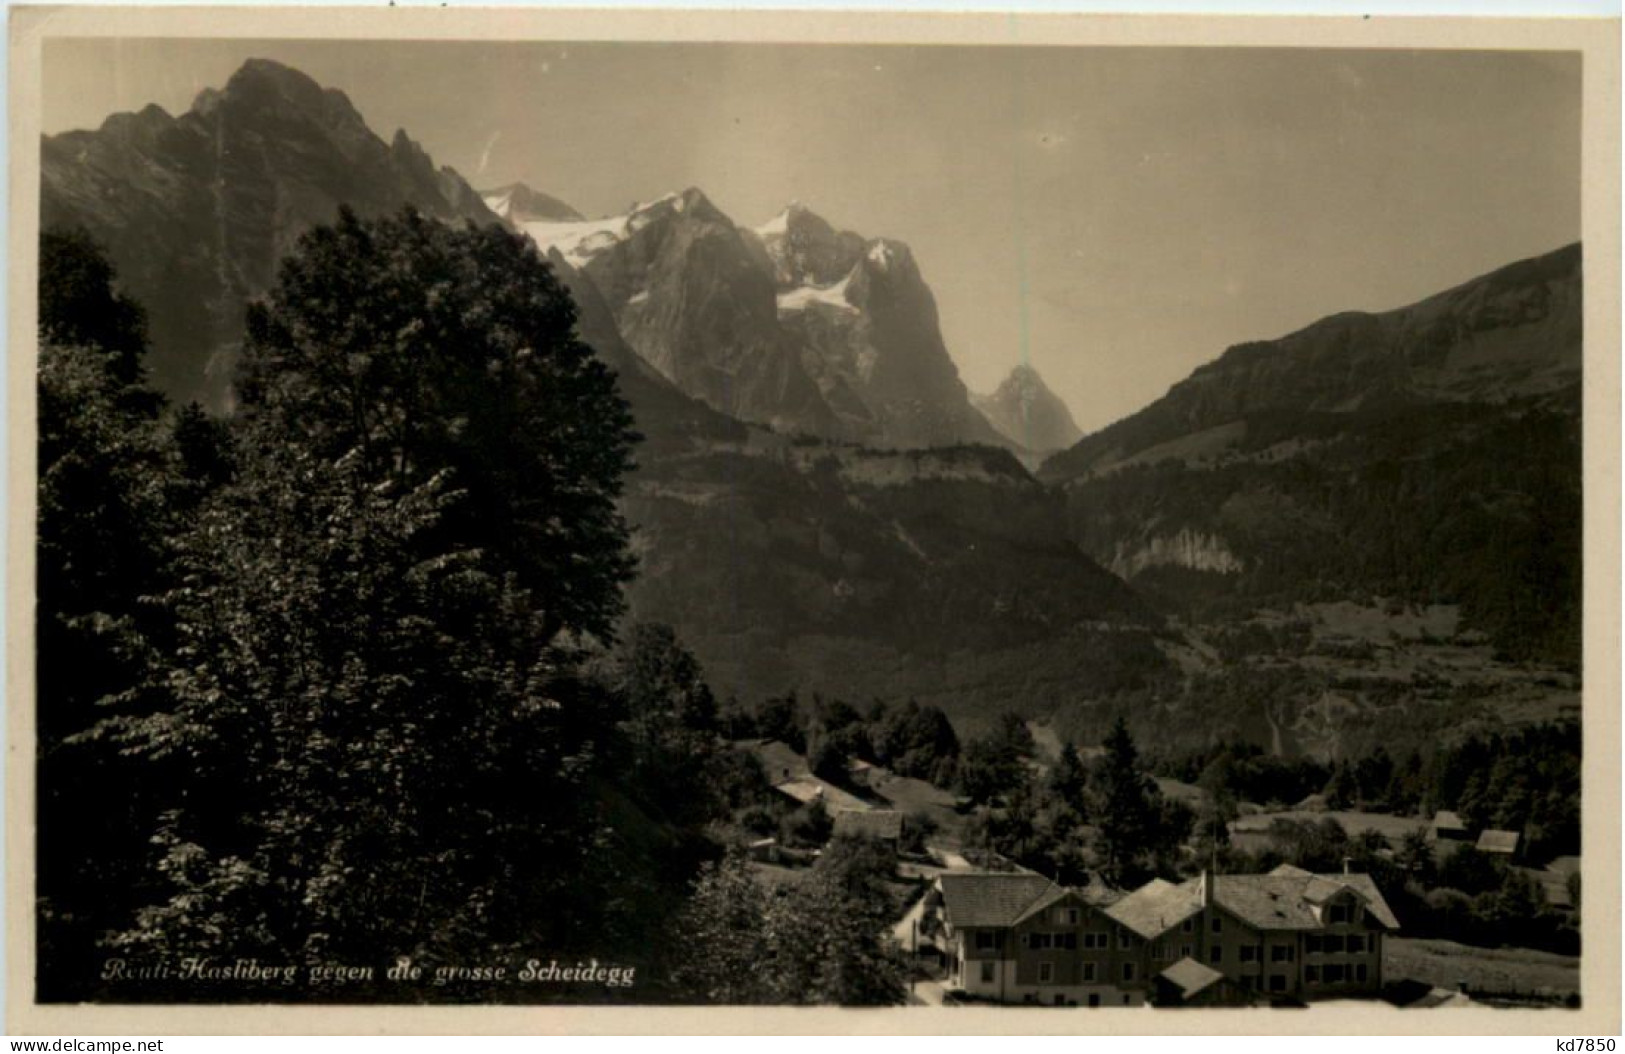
pixel 824 940
pixel 387 746
pixel 419 348
pixel 107 480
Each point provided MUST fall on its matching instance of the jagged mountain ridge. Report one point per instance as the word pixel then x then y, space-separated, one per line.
pixel 1025 411
pixel 792 324
pixel 520 204
pixel 197 209
pixel 1511 333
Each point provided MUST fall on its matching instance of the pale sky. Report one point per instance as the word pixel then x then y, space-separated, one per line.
pixel 1115 217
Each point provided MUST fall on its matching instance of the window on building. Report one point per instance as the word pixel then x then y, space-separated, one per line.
pixel 1277 982
pixel 1060 999
pixel 1356 944
pixel 1333 973
pixel 1312 944
pixel 1159 950
pixel 1218 924
pixel 987 972
pixel 1072 916
pixel 1360 973
pixel 1281 953
pixel 1333 944
pixel 1247 953
pixel 1184 951
pixel 1094 998
pixel 986 940
pixel 1128 971
pixel 1311 974
pixel 1122 940
pixel 1069 941
pixel 1216 953
pixel 1089 973
pixel 1339 913
pixel 1187 926
pixel 1046 973
pixel 1039 941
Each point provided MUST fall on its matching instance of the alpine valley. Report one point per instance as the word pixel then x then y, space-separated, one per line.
pixel 1367 528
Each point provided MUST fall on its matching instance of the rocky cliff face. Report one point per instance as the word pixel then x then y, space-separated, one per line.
pixel 793 324
pixel 196 210
pixel 1026 412
pixel 868 328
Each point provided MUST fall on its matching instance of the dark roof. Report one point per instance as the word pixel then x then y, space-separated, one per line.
pixel 1498 841
pixel 881 823
pixel 1095 895
pixel 1191 976
pixel 1157 906
pixel 995 898
pixel 1287 898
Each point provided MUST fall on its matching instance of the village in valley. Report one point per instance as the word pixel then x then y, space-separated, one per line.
pixel 978 927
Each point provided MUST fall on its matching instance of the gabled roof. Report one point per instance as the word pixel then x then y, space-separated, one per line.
pixel 1190 976
pixel 1157 907
pixel 1498 841
pixel 1094 895
pixel 1286 898
pixel 880 823
pixel 995 898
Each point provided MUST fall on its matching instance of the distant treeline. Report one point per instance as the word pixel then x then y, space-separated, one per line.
pixel 1527 780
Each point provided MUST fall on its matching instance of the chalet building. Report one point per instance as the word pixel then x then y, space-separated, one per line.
pixel 1021 938
pixel 1289 935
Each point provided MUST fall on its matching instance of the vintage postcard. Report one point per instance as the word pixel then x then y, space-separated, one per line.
pixel 600 521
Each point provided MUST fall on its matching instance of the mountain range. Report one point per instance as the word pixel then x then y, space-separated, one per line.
pixel 1426 453
pixel 820 503
pixel 198 209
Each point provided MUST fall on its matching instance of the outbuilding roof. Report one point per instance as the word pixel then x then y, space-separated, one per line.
pixel 1498 841
pixel 885 824
pixel 1191 977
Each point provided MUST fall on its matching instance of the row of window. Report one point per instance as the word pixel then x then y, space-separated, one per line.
pixel 1335 973
pixel 1333 944
pixel 988 940
pixel 1046 973
pixel 1315 944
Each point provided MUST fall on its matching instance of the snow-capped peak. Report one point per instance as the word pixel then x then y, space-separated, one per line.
pixel 779 225
pixel 579 241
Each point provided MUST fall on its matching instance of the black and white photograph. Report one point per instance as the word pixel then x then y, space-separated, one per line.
pixel 572 521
